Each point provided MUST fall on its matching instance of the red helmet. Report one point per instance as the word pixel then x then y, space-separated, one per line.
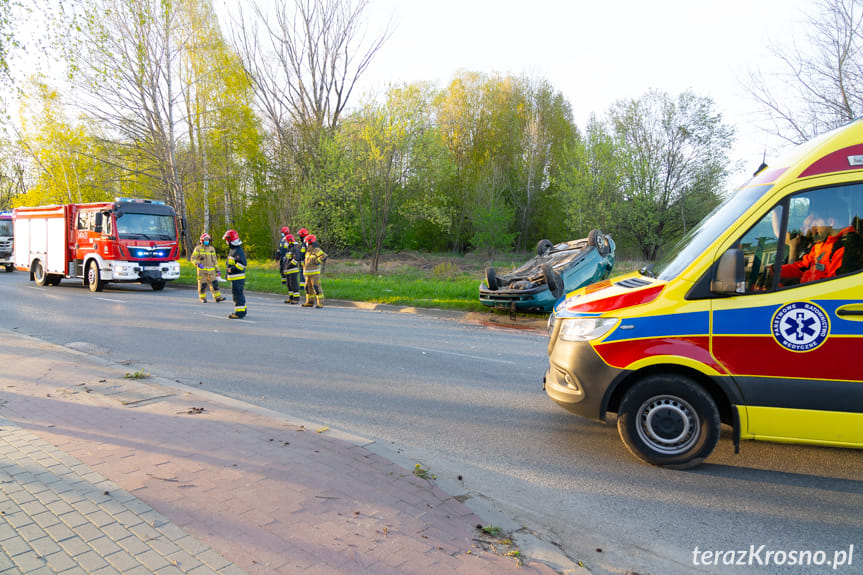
pixel 231 236
pixel 205 237
pixel 289 237
pixel 285 230
pixel 302 232
pixel 310 239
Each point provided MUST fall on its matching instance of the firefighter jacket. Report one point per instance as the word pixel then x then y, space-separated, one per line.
pixel 823 260
pixel 205 259
pixel 315 256
pixel 237 262
pixel 291 259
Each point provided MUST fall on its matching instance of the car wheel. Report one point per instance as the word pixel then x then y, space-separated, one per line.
pixel 543 247
pixel 491 279
pixel 94 279
pixel 158 285
pixel 39 275
pixel 598 240
pixel 668 420
pixel 553 280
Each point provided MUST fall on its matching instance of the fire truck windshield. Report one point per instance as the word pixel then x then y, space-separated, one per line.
pixel 131 226
pixel 5 228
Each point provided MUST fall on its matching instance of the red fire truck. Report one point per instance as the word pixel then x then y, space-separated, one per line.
pixel 121 241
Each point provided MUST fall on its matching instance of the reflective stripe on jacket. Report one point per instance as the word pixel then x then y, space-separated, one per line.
pixel 236 263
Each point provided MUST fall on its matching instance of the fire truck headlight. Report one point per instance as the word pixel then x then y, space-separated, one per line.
pixel 585 328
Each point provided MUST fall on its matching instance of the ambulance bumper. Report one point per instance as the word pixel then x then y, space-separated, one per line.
pixel 578 380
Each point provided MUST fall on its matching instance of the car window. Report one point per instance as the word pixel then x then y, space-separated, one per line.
pixel 822 238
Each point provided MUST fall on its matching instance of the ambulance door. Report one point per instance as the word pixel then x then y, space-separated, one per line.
pixel 793 339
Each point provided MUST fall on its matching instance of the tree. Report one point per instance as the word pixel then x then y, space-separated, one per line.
pixel 821 85
pixel 305 67
pixel 670 153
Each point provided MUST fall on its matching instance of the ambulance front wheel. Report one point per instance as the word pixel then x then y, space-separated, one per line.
pixel 94 278
pixel 668 420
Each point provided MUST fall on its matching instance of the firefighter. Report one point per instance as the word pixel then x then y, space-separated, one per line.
pixel 291 269
pixel 315 257
pixel 207 262
pixel 236 273
pixel 302 232
pixel 283 249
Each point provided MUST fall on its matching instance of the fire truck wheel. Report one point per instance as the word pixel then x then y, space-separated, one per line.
pixel 10 268
pixel 158 285
pixel 39 275
pixel 94 280
pixel 668 420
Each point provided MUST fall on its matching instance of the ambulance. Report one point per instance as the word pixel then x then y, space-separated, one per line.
pixel 754 320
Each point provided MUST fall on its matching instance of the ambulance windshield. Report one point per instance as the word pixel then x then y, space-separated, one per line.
pixel 696 241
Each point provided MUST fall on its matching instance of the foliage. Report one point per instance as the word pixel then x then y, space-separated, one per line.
pixel 245 135
pixel 672 158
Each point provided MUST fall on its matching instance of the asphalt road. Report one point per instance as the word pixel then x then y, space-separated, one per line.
pixel 466 401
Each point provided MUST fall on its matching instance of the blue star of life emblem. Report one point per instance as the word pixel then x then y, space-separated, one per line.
pixel 800 326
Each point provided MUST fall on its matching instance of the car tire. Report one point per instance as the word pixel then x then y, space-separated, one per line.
pixel 94 279
pixel 598 240
pixel 543 247
pixel 553 280
pixel 39 275
pixel 668 420
pixel 491 279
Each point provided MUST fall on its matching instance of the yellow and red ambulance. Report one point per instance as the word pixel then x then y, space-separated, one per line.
pixel 754 320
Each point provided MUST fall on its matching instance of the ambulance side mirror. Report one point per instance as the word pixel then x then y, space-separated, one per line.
pixel 730 278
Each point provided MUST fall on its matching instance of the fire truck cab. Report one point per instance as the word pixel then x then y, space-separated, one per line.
pixel 6 241
pixel 121 241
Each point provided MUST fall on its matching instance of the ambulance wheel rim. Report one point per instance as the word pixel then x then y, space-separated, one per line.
pixel 668 424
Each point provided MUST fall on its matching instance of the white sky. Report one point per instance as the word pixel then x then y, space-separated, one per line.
pixel 596 52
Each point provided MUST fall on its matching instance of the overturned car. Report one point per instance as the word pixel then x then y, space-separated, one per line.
pixel 555 270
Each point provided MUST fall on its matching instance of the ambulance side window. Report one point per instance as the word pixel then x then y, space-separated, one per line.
pixel 760 245
pixel 824 237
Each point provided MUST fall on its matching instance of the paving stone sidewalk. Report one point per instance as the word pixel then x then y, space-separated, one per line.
pixel 101 473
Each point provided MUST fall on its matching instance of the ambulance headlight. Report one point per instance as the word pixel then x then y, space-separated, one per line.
pixel 585 328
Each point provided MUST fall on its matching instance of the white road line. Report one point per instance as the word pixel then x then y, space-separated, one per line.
pixel 465 355
pixel 109 299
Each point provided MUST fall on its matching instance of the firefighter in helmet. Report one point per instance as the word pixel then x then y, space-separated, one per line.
pixel 302 233
pixel 315 257
pixel 291 269
pixel 236 273
pixel 206 263
pixel 283 249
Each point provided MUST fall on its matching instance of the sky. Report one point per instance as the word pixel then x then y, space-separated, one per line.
pixel 597 52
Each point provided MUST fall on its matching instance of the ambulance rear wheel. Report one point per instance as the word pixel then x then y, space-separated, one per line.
pixel 668 420
pixel 39 275
pixel 94 279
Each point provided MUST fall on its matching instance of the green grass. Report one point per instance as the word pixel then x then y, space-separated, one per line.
pixel 416 280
